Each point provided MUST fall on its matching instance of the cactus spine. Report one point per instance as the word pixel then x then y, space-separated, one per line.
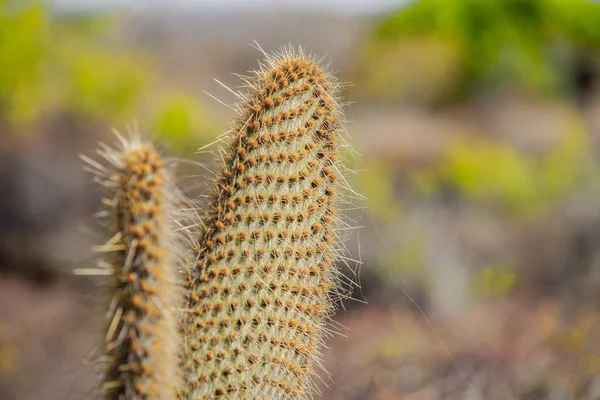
pixel 141 345
pixel 260 292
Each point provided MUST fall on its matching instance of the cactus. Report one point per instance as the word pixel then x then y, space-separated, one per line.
pixel 262 288
pixel 261 291
pixel 141 346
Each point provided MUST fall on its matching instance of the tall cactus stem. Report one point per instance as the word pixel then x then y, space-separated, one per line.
pixel 265 283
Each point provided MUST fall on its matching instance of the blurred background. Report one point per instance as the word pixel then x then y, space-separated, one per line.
pixel 478 128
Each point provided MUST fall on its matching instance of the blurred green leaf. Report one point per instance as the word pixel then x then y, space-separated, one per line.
pixel 506 42
pixel 375 182
pixel 406 261
pixel 51 64
pixel 181 119
pixel 68 64
pixel 22 51
pixel 494 281
pixel 102 85
pixel 493 173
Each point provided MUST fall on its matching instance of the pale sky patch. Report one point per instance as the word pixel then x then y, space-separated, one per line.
pixel 339 6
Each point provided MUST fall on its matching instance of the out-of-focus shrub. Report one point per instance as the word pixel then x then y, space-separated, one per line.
pixel 469 46
pixel 182 121
pixel 495 280
pixel 376 183
pixel 54 64
pixel 483 171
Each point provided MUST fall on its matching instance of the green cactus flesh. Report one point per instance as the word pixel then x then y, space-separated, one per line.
pixel 141 347
pixel 260 294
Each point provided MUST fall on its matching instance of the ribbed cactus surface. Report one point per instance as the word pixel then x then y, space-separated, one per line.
pixel 141 345
pixel 260 292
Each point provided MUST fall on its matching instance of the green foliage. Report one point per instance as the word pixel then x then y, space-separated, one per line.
pixel 181 119
pixel 67 64
pixel 576 341
pixel 55 65
pixel 22 51
pixel 103 86
pixel 405 262
pixel 514 42
pixel 376 182
pixel 423 67
pixel 487 171
pixel 497 174
pixel 495 280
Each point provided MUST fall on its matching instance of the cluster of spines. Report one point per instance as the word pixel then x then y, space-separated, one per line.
pixel 142 339
pixel 260 292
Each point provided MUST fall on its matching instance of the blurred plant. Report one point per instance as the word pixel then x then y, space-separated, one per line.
pixel 405 263
pixel 51 64
pixel 475 44
pixel 21 53
pixel 67 64
pixel 496 174
pixel 377 183
pixel 495 281
pixel 576 341
pixel 181 120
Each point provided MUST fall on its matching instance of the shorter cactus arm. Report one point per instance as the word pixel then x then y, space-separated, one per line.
pixel 142 338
